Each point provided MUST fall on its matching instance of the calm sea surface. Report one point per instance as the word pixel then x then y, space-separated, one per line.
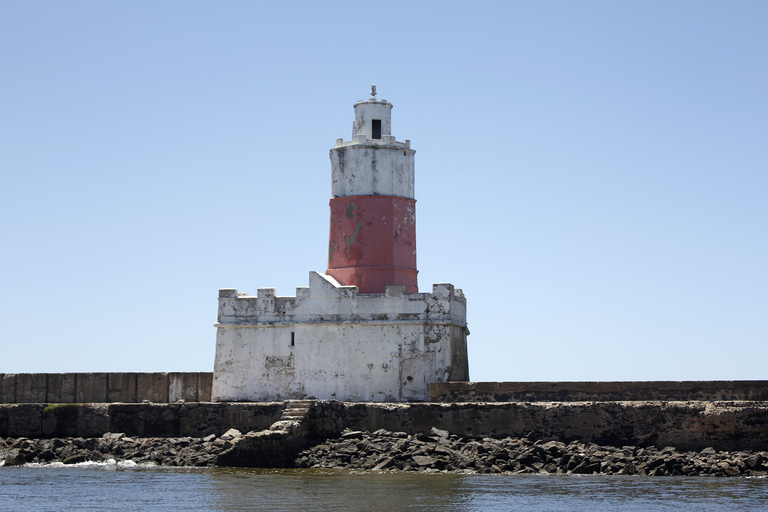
pixel 111 487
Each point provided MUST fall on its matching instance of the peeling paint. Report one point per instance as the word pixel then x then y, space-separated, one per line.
pixel 349 240
pixel 278 362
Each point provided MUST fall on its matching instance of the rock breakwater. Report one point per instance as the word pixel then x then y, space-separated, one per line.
pixel 163 451
pixel 441 451
pixel 382 450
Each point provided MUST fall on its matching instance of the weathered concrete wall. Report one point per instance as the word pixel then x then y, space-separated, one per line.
pixel 329 342
pixel 66 388
pixel 140 420
pixel 685 425
pixel 727 425
pixel 598 391
pixel 367 167
pixel 63 388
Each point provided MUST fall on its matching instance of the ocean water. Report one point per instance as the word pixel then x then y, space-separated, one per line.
pixel 129 487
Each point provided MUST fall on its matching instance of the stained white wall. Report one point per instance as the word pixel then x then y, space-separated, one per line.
pixel 372 169
pixel 367 166
pixel 378 347
pixel 366 111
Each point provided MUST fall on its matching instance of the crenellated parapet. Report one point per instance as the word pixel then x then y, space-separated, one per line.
pixel 326 301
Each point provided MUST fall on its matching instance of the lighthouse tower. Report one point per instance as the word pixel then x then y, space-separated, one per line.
pixel 373 217
pixel 362 331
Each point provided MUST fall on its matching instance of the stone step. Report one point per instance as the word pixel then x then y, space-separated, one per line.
pixel 296 411
pixel 293 415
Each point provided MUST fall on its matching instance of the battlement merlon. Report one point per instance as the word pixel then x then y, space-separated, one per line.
pixel 326 301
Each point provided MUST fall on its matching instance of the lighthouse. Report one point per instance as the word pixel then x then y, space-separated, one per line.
pixel 361 331
pixel 373 208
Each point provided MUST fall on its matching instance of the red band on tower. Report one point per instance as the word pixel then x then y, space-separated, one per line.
pixel 373 242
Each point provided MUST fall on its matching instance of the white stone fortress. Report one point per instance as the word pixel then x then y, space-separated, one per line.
pixel 361 331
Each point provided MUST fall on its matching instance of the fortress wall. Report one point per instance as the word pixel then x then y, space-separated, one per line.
pixel 725 425
pixel 598 391
pixel 332 342
pixel 64 388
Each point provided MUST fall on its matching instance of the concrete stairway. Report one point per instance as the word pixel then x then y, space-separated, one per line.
pixel 296 410
pixel 275 447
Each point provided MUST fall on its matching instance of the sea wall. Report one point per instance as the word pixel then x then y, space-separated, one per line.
pixel 727 425
pixel 598 391
pixel 139 420
pixel 63 388
pixel 169 387
pixel 685 425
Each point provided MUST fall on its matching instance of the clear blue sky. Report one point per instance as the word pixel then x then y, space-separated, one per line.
pixel 593 175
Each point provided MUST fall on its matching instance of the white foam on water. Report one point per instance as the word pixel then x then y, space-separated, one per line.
pixel 106 464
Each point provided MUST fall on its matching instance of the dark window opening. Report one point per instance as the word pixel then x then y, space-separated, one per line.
pixel 376 128
pixel 293 338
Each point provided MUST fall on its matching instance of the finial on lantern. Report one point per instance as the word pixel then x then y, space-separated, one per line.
pixel 373 91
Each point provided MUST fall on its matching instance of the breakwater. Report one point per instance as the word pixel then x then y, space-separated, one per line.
pixel 440 451
pixel 717 416
pixel 725 425
pixel 725 438
pixel 170 387
pixel 434 451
